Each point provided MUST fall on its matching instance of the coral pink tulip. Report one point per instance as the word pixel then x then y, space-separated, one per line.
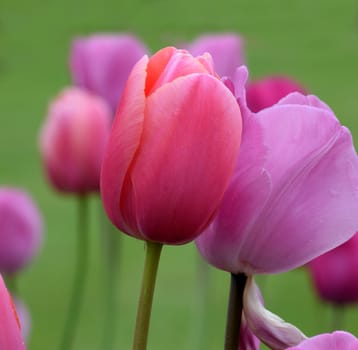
pixel 294 192
pixel 73 140
pixel 335 273
pixel 172 148
pixel 101 63
pixel 338 340
pixel 226 49
pixel 20 229
pixel 266 92
pixel 10 329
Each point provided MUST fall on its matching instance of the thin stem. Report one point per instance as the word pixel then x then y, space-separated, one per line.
pixel 338 312
pixel 234 312
pixel 152 257
pixel 80 277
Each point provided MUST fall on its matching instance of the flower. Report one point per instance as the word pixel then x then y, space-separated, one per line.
pixel 226 50
pixel 73 140
pixel 335 273
pixel 294 192
pixel 172 148
pixel 10 334
pixel 338 340
pixel 24 317
pixel 101 63
pixel 266 92
pixel 20 229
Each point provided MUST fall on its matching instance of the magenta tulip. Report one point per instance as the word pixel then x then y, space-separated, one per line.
pixel 338 340
pixel 293 195
pixel 172 148
pixel 266 92
pixel 226 49
pixel 73 140
pixel 101 63
pixel 10 333
pixel 335 273
pixel 20 229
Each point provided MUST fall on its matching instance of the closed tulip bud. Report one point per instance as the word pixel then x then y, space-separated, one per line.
pixel 73 140
pixel 172 148
pixel 101 63
pixel 266 92
pixel 20 229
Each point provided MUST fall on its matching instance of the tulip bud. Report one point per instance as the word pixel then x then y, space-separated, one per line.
pixel 73 140
pixel 172 148
pixel 20 229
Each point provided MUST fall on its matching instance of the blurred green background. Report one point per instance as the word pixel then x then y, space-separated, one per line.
pixel 315 42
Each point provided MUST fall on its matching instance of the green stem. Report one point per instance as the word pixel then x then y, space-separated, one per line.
pixel 338 312
pixel 11 284
pixel 234 313
pixel 152 257
pixel 80 277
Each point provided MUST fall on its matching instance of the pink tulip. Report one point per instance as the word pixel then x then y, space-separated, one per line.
pixel 266 92
pixel 10 334
pixel 247 341
pixel 20 229
pixel 338 340
pixel 24 318
pixel 101 63
pixel 172 148
pixel 335 273
pixel 294 192
pixel 226 50
pixel 73 140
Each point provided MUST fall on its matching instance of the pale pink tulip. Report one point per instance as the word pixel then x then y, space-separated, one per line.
pixel 172 148
pixel 101 63
pixel 73 140
pixel 335 273
pixel 10 333
pixel 20 229
pixel 266 92
pixel 294 193
pixel 338 340
pixel 226 49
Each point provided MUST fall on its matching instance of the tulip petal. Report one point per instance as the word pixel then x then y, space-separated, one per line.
pixel 186 120
pixel 123 143
pixel 296 98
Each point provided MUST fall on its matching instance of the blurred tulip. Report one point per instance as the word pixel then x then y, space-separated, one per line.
pixel 73 140
pixel 226 49
pixel 24 318
pixel 10 334
pixel 101 63
pixel 335 273
pixel 172 148
pixel 266 92
pixel 20 229
pixel 293 195
pixel 338 340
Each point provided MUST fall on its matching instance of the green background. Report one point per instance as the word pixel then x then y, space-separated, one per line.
pixel 315 42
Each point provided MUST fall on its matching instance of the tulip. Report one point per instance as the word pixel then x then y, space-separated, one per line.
pixel 101 63
pixel 266 92
pixel 226 50
pixel 20 229
pixel 73 140
pixel 24 318
pixel 338 340
pixel 335 273
pixel 10 333
pixel 172 148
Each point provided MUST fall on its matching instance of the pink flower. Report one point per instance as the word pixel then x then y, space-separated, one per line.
pixel 338 340
pixel 294 193
pixel 226 50
pixel 172 148
pixel 24 318
pixel 101 63
pixel 10 334
pixel 266 92
pixel 73 140
pixel 20 229
pixel 247 341
pixel 335 273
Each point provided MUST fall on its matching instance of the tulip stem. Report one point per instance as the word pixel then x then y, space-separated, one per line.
pixel 338 312
pixel 234 312
pixel 152 257
pixel 11 284
pixel 80 277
